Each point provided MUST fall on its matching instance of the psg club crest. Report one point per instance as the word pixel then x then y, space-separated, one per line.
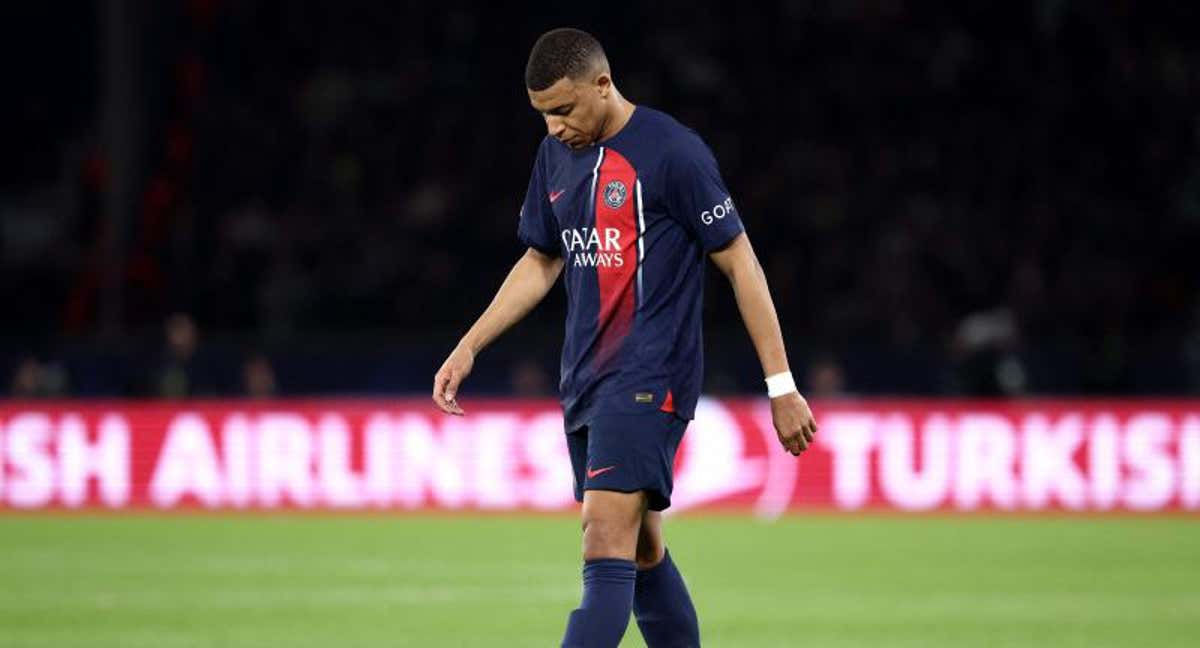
pixel 614 194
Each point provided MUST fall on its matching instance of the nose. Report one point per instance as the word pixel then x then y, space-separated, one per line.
pixel 554 125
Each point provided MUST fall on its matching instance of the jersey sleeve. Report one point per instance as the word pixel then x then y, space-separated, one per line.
pixel 536 227
pixel 697 196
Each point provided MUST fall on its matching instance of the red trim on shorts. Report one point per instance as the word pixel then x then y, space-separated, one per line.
pixel 668 404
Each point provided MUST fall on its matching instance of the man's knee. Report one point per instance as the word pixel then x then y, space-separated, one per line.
pixel 650 545
pixel 610 524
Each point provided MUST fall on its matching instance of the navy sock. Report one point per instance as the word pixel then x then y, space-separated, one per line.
pixel 664 609
pixel 602 617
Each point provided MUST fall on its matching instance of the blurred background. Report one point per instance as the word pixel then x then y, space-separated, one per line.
pixel 217 198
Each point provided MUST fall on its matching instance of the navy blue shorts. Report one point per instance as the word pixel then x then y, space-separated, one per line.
pixel 627 453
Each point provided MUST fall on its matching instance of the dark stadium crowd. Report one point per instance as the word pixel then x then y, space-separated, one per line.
pixel 980 198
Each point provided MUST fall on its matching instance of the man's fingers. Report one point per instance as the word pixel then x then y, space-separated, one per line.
pixel 455 408
pixel 439 386
pixel 444 385
pixel 795 443
pixel 451 393
pixel 448 406
pixel 451 389
pixel 797 428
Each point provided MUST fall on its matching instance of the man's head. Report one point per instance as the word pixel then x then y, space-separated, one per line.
pixel 570 84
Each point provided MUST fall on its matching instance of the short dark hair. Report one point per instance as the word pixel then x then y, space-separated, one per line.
pixel 562 52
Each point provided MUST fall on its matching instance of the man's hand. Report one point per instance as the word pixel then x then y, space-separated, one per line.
pixel 445 384
pixel 794 422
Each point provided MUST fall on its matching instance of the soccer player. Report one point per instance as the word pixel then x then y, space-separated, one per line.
pixel 625 203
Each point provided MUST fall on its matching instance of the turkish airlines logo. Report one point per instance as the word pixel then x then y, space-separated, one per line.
pixel 903 455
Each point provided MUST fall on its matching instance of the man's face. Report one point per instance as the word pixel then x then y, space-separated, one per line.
pixel 574 110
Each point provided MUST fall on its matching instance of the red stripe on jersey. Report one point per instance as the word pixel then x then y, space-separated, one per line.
pixel 616 220
pixel 668 403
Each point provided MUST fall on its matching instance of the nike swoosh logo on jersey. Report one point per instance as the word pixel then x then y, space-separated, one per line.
pixel 592 474
pixel 555 194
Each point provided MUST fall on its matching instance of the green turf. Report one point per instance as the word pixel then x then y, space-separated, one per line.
pixel 827 581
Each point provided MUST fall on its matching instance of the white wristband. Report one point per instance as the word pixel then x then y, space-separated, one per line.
pixel 780 384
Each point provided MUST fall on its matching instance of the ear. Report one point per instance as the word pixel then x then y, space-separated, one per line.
pixel 604 84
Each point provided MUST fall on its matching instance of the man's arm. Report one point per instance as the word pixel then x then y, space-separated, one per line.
pixel 792 417
pixel 527 283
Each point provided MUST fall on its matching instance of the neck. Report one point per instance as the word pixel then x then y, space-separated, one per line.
pixel 617 118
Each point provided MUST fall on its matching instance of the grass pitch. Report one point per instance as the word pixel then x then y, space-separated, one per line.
pixel 829 581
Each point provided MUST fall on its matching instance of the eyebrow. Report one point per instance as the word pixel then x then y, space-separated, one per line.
pixel 559 110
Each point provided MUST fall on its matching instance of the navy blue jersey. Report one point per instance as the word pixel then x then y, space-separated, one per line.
pixel 633 219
